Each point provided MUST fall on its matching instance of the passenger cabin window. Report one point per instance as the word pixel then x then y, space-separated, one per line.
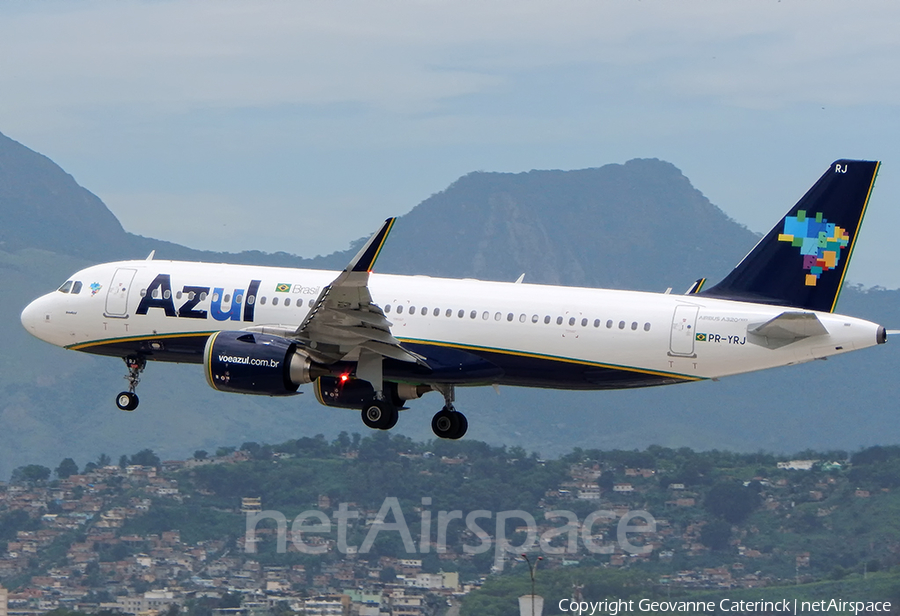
pixel 412 310
pixel 287 301
pixel 437 312
pixel 609 324
pixel 76 288
pixel 546 319
pixel 461 313
pixel 621 324
pixel 387 309
pixel 534 318
pixel 596 322
pixel 66 287
pixel 634 326
pixel 646 327
pixel 262 300
pixel 400 309
pixel 274 300
pixel 424 311
pixel 559 320
pixel 473 314
pixel 449 313
pixel 571 321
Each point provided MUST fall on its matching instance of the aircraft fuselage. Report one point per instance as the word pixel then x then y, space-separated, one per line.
pixel 535 335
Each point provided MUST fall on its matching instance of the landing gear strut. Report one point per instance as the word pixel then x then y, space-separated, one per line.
pixel 448 422
pixel 128 400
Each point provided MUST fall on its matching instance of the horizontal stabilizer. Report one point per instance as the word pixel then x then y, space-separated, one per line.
pixel 786 328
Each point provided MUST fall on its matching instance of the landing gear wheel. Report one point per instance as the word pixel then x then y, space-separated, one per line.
pixel 462 428
pixel 449 424
pixel 380 415
pixel 127 401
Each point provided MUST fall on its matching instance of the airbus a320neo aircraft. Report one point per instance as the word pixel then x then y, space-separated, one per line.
pixel 371 342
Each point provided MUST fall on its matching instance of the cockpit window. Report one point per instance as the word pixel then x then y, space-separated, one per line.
pixel 67 287
pixel 76 288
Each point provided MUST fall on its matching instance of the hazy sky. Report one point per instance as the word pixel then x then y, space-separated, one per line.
pixel 298 126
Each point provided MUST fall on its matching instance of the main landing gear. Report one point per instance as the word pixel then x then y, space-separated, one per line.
pixel 448 422
pixel 128 400
pixel 380 415
pixel 382 411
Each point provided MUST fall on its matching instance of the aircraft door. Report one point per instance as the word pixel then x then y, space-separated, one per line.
pixel 684 326
pixel 117 296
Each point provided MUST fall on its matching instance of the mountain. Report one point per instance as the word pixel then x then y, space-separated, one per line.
pixel 637 225
pixel 617 226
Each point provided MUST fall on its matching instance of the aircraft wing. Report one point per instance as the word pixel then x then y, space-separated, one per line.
pixel 344 321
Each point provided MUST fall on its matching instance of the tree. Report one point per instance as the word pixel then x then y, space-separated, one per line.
pixel 342 442
pixel 33 473
pixel 715 534
pixel 103 460
pixel 230 600
pixel 66 468
pixel 123 461
pixel 145 457
pixel 221 452
pixel 200 454
pixel 731 501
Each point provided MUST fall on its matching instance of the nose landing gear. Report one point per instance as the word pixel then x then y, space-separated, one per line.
pixel 128 400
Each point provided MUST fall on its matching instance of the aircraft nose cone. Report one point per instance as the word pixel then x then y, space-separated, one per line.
pixel 34 316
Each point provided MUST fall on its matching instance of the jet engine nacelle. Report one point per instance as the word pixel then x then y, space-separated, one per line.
pixel 351 393
pixel 251 363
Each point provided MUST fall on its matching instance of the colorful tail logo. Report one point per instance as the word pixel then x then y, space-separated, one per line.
pixel 819 241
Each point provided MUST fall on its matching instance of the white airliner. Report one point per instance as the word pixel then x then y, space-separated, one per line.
pixel 371 342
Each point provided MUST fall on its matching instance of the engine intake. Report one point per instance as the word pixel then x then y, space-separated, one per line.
pixel 251 363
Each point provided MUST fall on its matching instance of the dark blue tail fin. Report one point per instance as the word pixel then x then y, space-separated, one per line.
pixel 802 261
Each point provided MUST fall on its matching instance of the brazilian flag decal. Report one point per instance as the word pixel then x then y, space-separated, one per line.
pixel 283 287
pixel 701 337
